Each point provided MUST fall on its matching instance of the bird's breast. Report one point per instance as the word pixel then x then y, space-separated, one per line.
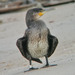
pixel 38 43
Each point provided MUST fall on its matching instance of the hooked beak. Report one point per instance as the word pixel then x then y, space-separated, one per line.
pixel 43 12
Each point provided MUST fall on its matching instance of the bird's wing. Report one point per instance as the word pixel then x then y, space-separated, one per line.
pixel 22 46
pixel 53 42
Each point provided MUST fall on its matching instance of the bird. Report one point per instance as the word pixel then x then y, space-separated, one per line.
pixel 37 40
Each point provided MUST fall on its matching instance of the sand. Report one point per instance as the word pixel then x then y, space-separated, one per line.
pixel 60 21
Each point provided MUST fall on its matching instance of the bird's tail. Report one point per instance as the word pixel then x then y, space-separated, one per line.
pixel 37 60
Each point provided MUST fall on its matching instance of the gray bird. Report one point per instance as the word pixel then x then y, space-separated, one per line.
pixel 37 41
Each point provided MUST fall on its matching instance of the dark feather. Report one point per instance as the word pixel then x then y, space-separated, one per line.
pixel 53 42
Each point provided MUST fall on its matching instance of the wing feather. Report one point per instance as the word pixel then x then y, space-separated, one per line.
pixel 53 42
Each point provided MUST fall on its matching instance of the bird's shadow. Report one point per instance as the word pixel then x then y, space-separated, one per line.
pixel 52 65
pixel 27 69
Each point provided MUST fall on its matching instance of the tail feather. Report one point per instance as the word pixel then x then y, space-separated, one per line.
pixel 37 60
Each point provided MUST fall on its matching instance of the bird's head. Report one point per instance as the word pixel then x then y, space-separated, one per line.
pixel 34 14
pixel 37 13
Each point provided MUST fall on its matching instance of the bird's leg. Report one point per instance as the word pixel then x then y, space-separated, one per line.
pixel 47 63
pixel 31 67
pixel 30 62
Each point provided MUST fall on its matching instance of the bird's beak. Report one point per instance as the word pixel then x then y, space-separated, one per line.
pixel 41 13
pixel 44 11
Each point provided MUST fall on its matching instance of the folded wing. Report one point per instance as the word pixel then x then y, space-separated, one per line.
pixel 53 42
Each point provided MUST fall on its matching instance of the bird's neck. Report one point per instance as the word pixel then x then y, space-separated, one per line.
pixel 34 23
pixel 29 23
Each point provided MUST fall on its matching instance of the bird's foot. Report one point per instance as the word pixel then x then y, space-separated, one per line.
pixel 47 65
pixel 30 69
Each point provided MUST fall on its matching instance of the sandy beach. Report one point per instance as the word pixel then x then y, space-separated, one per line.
pixel 60 21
